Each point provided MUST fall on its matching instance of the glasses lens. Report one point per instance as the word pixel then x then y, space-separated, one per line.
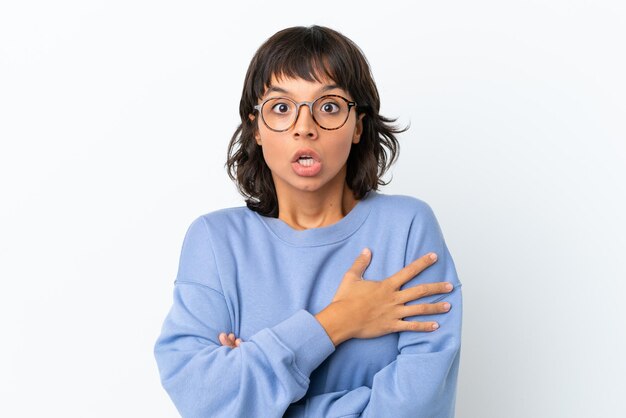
pixel 279 113
pixel 330 112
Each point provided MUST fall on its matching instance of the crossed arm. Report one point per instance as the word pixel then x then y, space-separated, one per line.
pixel 269 373
pixel 421 382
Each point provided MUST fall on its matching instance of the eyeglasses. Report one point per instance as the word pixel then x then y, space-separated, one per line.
pixel 329 112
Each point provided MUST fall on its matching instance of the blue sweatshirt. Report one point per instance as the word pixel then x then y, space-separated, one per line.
pixel 264 281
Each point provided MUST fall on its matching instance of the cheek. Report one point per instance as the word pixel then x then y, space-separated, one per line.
pixel 272 152
pixel 342 150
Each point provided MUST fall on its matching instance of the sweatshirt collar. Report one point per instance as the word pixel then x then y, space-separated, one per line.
pixel 325 235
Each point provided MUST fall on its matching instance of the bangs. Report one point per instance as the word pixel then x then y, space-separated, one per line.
pixel 309 68
pixel 309 54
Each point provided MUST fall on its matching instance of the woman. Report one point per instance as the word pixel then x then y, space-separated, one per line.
pixel 316 329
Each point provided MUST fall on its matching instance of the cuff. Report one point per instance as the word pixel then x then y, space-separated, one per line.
pixel 305 337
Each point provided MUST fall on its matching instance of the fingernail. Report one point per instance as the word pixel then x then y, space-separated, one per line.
pixel 365 251
pixel 449 286
pixel 435 326
pixel 433 256
pixel 446 306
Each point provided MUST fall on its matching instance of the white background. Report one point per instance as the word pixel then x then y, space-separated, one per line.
pixel 114 122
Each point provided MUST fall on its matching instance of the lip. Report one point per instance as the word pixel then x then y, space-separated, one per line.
pixel 305 151
pixel 307 171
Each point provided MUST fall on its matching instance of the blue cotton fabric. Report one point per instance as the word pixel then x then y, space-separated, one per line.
pixel 264 281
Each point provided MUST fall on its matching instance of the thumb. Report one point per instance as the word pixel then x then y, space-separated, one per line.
pixel 360 264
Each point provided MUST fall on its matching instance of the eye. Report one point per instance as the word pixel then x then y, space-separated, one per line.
pixel 329 107
pixel 281 108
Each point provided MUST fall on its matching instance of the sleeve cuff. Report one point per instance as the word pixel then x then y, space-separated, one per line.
pixel 305 337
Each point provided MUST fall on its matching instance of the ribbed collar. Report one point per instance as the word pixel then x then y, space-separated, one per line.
pixel 325 235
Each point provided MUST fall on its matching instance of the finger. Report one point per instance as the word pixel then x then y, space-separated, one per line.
pixel 225 341
pixel 237 342
pixel 231 337
pixel 424 309
pixel 411 270
pixel 416 326
pixel 360 264
pixel 423 290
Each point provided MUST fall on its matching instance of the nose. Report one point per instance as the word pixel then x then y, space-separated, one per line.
pixel 305 126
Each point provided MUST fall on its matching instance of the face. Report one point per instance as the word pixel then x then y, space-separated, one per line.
pixel 324 152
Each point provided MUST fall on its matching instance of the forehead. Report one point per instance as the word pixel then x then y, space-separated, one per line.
pixel 296 86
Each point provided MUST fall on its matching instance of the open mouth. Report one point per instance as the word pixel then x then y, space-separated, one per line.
pixel 306 161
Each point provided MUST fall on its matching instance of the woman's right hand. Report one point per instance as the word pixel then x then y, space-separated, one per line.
pixel 368 309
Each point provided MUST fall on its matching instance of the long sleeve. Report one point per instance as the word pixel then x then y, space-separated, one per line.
pixel 422 380
pixel 260 378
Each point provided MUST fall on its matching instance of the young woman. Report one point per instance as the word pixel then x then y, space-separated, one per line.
pixel 277 310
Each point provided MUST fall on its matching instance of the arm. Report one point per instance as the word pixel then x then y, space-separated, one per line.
pixel 421 382
pixel 261 378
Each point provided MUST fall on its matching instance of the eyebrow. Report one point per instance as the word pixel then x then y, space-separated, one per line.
pixel 273 89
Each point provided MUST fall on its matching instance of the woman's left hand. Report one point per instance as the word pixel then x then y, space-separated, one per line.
pixel 229 340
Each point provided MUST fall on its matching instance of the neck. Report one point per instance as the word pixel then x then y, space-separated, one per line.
pixel 305 210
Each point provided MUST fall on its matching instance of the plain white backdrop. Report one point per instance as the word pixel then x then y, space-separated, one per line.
pixel 114 122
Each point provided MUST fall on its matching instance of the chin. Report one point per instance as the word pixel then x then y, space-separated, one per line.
pixel 307 184
pixel 309 187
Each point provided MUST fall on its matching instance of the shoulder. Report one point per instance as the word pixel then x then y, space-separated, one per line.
pixel 232 215
pixel 222 220
pixel 400 206
pixel 226 224
pixel 401 215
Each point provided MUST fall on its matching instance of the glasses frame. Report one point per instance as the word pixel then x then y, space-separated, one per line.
pixel 259 108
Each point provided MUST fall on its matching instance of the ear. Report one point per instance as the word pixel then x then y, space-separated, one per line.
pixel 358 129
pixel 257 137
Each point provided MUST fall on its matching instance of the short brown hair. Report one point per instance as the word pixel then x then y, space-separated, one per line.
pixel 311 53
